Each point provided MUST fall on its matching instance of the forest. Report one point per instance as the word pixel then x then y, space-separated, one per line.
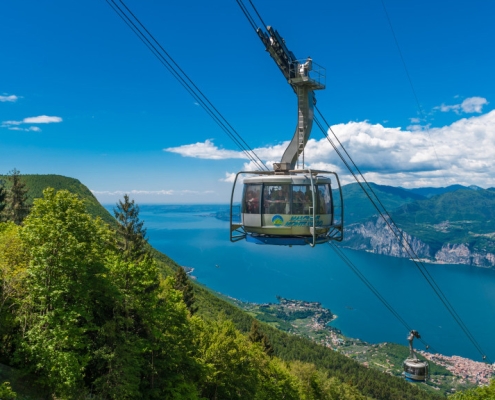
pixel 88 309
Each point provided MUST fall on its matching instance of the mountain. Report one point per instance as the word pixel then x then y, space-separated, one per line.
pixel 358 207
pixel 37 183
pixel 455 227
pixel 432 191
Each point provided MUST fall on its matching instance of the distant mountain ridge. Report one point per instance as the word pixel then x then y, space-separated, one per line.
pixel 432 191
pixel 448 225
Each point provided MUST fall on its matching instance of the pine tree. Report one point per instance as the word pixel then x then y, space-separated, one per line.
pixel 3 195
pixel 132 236
pixel 183 284
pixel 16 208
pixel 256 336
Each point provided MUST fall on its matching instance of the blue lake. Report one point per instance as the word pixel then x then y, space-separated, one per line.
pixel 255 273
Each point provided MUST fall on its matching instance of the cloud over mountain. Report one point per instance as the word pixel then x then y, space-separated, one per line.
pixel 463 152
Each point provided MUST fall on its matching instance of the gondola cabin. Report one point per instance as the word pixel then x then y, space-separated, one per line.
pixel 288 209
pixel 415 370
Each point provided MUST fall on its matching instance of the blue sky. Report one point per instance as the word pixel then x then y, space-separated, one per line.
pixel 81 96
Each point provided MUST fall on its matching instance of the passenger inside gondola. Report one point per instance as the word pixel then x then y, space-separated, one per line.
pixel 252 199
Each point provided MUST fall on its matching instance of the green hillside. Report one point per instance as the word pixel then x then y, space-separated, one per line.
pixel 357 206
pixel 37 183
pixel 356 381
pixel 462 216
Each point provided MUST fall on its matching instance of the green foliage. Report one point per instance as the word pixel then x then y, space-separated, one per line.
pixel 314 384
pixel 182 283
pixel 479 393
pixel 13 262
pixel 276 381
pixel 230 362
pixel 6 392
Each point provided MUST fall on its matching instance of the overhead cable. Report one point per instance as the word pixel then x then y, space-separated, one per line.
pixel 375 291
pixel 178 73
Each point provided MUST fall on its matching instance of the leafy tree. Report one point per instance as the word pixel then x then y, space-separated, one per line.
pixel 6 392
pixel 276 381
pixel 65 291
pixel 183 284
pixel 148 349
pixel 16 208
pixel 231 371
pixel 479 393
pixel 13 263
pixel 132 240
pixel 173 366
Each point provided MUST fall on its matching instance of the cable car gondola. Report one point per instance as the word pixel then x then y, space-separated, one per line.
pixel 415 370
pixel 290 206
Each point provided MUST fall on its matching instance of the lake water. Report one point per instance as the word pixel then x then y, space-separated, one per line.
pixel 255 273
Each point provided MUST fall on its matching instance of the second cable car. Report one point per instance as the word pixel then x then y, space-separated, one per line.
pixel 415 370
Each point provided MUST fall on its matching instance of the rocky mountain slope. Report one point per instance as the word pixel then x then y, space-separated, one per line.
pixel 455 227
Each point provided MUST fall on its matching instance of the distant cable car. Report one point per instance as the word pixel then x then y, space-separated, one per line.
pixel 290 206
pixel 415 370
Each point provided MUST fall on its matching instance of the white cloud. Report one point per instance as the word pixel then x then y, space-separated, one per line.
pixel 229 177
pixel 463 153
pixel 206 150
pixel 473 104
pixel 5 123
pixel 42 119
pixel 468 106
pixel 11 99
pixel 18 128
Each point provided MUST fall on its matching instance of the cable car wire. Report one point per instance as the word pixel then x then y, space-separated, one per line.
pixel 159 52
pixel 403 60
pixel 375 291
pixel 257 13
pixel 247 14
